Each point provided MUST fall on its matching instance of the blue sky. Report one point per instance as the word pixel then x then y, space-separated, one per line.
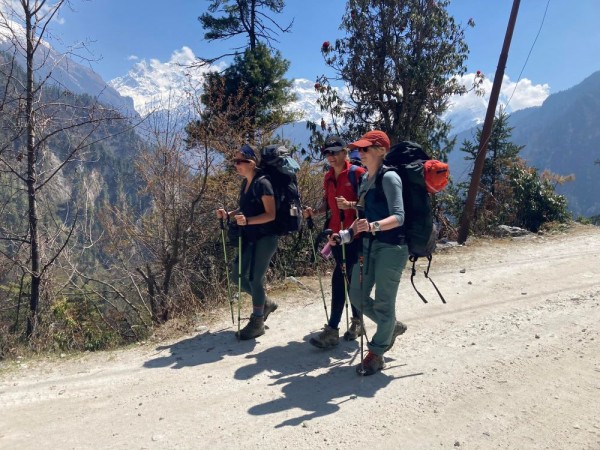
pixel 128 31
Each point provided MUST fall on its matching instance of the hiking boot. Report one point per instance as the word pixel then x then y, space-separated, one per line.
pixel 254 328
pixel 329 337
pixel 356 329
pixel 270 306
pixel 399 329
pixel 371 364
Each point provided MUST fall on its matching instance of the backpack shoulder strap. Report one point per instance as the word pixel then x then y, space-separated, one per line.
pixel 379 178
pixel 255 182
pixel 353 177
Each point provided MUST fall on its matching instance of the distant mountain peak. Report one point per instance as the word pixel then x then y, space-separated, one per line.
pixel 154 85
pixel 64 71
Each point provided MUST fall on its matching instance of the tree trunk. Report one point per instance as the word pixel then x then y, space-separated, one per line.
pixel 34 296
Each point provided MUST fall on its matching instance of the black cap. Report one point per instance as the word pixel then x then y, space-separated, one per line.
pixel 333 144
pixel 248 152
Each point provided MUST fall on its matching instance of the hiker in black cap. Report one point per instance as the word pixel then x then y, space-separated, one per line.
pixel 340 181
pixel 255 217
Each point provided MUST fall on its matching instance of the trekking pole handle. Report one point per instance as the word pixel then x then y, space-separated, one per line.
pixel 222 219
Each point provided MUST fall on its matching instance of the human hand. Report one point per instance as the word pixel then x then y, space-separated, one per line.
pixel 361 225
pixel 334 239
pixel 221 213
pixel 342 203
pixel 307 212
pixel 241 220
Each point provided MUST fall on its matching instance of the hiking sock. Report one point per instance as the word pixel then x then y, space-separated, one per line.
pixel 336 327
pixel 258 311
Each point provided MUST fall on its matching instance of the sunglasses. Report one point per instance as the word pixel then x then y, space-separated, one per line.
pixel 363 149
pixel 330 153
pixel 241 161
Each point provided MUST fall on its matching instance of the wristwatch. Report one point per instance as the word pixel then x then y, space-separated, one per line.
pixel 375 227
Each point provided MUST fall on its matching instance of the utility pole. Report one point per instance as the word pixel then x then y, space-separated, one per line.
pixel 486 132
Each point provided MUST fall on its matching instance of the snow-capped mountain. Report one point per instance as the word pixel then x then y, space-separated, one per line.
pixel 154 84
pixel 468 110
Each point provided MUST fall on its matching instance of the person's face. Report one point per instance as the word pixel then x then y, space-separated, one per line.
pixel 242 164
pixel 369 155
pixel 335 158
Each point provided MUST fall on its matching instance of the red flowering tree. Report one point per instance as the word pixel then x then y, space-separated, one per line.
pixel 400 60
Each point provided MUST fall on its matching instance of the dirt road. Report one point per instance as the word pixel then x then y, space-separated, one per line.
pixel 512 361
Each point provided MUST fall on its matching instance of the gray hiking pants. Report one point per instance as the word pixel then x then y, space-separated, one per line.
pixel 256 257
pixel 382 268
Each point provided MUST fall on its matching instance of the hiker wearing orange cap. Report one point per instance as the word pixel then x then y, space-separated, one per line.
pixel 384 253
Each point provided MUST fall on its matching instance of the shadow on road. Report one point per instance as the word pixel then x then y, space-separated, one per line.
pixel 205 348
pixel 319 394
pixel 297 367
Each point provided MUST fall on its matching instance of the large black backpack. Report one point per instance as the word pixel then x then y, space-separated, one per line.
pixel 408 160
pixel 280 168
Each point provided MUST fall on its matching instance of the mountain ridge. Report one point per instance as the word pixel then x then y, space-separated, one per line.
pixel 568 116
pixel 562 136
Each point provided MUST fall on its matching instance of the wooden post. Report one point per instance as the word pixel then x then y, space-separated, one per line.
pixel 465 219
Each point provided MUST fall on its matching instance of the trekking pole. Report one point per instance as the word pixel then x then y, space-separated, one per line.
pixel 361 260
pixel 311 225
pixel 227 269
pixel 239 280
pixel 344 273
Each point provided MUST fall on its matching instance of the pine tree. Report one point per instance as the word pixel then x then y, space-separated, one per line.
pixel 501 153
pixel 243 17
pixel 256 79
pixel 257 75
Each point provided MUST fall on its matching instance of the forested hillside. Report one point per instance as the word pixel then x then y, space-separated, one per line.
pixel 562 136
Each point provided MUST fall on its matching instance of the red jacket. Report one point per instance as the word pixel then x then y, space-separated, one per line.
pixel 340 187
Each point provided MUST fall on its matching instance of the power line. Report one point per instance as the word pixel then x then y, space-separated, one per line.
pixel 529 54
pixel 470 166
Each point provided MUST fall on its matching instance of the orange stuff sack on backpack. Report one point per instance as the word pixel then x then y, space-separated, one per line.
pixel 436 175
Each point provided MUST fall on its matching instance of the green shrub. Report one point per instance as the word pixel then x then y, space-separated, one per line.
pixel 78 325
pixel 534 200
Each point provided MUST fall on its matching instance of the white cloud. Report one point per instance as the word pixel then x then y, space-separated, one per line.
pixel 14 9
pixel 12 22
pixel 469 109
pixel 10 6
pixel 132 58
pixel 526 94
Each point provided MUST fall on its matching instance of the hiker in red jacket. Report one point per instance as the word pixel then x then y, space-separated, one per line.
pixel 340 181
